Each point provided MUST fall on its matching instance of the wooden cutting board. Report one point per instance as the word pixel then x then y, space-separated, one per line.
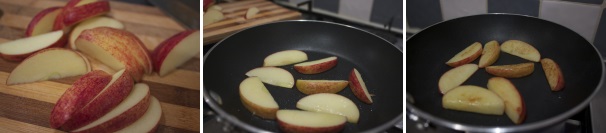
pixel 234 18
pixel 27 107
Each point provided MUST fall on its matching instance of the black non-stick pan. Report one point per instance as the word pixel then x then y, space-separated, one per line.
pixel 428 51
pixel 379 62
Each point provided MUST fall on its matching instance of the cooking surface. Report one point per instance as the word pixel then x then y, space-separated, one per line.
pixel 26 107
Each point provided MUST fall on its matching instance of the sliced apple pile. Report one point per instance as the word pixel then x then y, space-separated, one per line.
pixel 521 49
pixel 455 77
pixel 43 22
pixel 321 86
pixel 469 54
pixel 296 121
pixel 273 76
pixel 514 104
pixel 92 23
pixel 257 99
pixel 44 65
pixel 554 75
pixel 490 54
pixel 285 57
pixel 175 51
pixel 358 87
pixel 18 50
pixel 511 71
pixel 475 99
pixel 316 66
pixel 332 104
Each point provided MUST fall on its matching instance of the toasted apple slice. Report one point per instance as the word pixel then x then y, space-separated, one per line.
pixel 514 104
pixel 554 75
pixel 317 66
pixel 521 49
pixel 285 57
pixel 475 99
pixel 257 99
pixel 490 54
pixel 472 52
pixel 332 104
pixel 321 86
pixel 273 76
pixel 296 121
pixel 358 87
pixel 455 77
pixel 511 71
pixel 251 12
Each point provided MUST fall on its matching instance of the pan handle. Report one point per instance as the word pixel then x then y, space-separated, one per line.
pixel 420 123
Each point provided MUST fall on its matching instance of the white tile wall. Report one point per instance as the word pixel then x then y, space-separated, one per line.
pixel 581 18
pixel 359 9
pixel 460 8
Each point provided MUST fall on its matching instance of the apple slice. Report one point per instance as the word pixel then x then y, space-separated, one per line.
pixel 257 99
pixel 285 57
pixel 317 66
pixel 455 77
pixel 18 50
pixel 296 121
pixel 148 122
pixel 207 4
pixel 321 86
pixel 175 51
pixel 330 103
pixel 554 74
pixel 511 71
pixel 43 21
pixel 273 76
pixel 251 12
pixel 113 94
pixel 358 87
pixel 124 114
pixel 490 54
pixel 514 104
pixel 475 99
pixel 472 52
pixel 44 65
pixel 78 95
pixel 92 23
pixel 79 10
pixel 212 16
pixel 521 49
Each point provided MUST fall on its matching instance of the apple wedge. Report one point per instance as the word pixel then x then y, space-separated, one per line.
pixel 511 71
pixel 79 10
pixel 127 112
pixel 92 23
pixel 212 16
pixel 296 121
pixel 44 65
pixel 316 66
pixel 285 57
pixel 330 103
pixel 251 12
pixel 490 54
pixel 521 49
pixel 175 51
pixel 455 77
pixel 514 104
pixel 553 73
pixel 475 99
pixel 43 22
pixel 472 52
pixel 148 122
pixel 257 99
pixel 113 94
pixel 273 76
pixel 78 95
pixel 358 87
pixel 18 50
pixel 321 86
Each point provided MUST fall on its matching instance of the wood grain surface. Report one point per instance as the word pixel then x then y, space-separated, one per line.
pixel 27 107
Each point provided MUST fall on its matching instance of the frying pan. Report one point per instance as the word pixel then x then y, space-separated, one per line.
pixel 428 50
pixel 379 62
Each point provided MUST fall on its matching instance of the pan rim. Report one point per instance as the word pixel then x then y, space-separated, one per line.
pixel 232 119
pixel 516 128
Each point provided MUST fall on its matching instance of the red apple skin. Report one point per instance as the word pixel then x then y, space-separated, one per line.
pixel 72 14
pixel 33 23
pixel 123 120
pixel 317 68
pixel 296 129
pixel 104 103
pixel 18 58
pixel 162 50
pixel 207 4
pixel 356 87
pixel 77 96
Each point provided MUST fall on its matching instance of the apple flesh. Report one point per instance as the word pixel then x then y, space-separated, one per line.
pixel 257 99
pixel 514 104
pixel 296 121
pixel 175 51
pixel 475 99
pixel 455 77
pixel 358 87
pixel 124 114
pixel 76 11
pixel 207 4
pixel 321 86
pixel 92 23
pixel 490 54
pixel 18 50
pixel 332 104
pixel 553 73
pixel 469 54
pixel 521 49
pixel 511 71
pixel 148 122
pixel 212 16
pixel 43 22
pixel 273 76
pixel 316 66
pixel 52 63
pixel 251 12
pixel 285 57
